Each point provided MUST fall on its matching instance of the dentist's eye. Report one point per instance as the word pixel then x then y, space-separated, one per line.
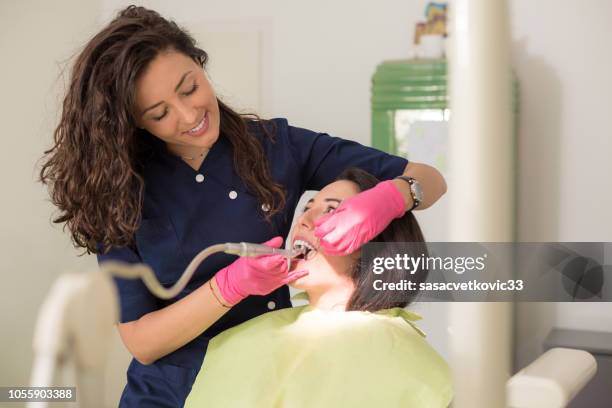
pixel 192 90
pixel 163 115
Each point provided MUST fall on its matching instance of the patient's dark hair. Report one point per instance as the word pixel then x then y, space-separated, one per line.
pixel 400 230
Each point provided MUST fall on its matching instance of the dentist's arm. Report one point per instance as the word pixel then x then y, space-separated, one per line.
pixel 362 217
pixel 161 332
pixel 431 181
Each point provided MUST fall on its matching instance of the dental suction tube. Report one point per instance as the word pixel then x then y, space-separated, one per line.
pixel 144 272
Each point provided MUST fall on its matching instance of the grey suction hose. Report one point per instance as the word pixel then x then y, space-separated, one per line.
pixel 135 271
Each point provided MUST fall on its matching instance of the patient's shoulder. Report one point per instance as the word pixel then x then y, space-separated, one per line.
pixel 264 324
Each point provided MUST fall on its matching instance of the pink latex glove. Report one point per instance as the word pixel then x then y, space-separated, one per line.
pixel 255 275
pixel 359 219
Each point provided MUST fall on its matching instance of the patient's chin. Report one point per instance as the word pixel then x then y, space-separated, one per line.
pixel 300 283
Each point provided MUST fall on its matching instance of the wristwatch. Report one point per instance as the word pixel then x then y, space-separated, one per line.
pixel 415 190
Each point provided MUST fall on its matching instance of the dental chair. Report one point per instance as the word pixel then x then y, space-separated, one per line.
pixel 551 381
pixel 73 333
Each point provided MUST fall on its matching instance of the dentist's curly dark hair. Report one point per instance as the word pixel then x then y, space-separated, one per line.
pixel 94 169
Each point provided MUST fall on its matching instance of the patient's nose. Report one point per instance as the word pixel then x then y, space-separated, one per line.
pixel 306 220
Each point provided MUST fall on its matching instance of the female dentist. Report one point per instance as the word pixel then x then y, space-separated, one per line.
pixel 149 166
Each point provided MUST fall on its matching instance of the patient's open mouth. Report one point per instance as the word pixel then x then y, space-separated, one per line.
pixel 308 250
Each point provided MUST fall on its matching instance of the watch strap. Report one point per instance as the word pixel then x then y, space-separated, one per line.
pixel 415 199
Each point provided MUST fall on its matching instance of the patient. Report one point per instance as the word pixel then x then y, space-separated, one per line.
pixel 351 346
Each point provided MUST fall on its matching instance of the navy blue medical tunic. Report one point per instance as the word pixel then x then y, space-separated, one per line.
pixel 185 211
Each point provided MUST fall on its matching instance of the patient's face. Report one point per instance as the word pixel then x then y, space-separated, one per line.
pixel 325 271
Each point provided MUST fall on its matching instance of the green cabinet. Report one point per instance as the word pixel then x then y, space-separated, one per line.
pixel 410 109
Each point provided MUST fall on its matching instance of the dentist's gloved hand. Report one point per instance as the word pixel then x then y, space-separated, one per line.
pixel 255 275
pixel 360 218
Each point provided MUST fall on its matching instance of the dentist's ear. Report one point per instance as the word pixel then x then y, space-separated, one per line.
pixel 136 121
pixel 139 125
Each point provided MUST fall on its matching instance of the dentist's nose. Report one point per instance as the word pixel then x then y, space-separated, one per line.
pixel 188 115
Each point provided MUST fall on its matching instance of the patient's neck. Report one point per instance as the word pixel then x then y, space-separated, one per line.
pixel 334 298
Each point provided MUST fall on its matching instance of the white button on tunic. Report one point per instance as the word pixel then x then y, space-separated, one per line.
pixel 199 178
pixel 271 305
pixel 233 195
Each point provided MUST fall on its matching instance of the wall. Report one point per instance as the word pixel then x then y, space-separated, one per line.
pixel 36 38
pixel 562 59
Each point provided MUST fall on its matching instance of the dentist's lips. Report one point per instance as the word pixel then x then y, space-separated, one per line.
pixel 200 128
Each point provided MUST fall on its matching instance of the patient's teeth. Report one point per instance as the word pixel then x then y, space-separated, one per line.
pixel 299 242
pixel 309 249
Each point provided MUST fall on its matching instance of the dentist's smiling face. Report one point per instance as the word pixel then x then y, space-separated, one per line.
pixel 176 103
pixel 325 271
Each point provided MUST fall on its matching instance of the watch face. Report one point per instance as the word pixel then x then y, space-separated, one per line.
pixel 418 193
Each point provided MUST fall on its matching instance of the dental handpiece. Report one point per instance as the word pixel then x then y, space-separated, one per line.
pixel 248 249
pixel 144 272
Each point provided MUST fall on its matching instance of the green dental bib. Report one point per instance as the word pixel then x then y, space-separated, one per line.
pixel 305 357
